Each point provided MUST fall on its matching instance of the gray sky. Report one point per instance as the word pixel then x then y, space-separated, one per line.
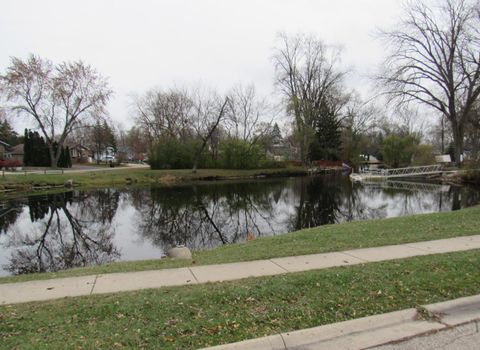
pixel 145 43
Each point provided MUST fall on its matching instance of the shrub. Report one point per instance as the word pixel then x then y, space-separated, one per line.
pixel 423 155
pixel 177 154
pixel 171 154
pixel 9 164
pixel 233 154
pixel 238 154
pixel 398 151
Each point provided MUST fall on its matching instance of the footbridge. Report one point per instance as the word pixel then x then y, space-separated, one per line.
pixel 398 173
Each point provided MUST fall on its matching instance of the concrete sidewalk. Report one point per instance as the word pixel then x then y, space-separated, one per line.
pixel 396 330
pixel 12 293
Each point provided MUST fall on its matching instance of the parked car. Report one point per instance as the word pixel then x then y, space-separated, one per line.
pixel 107 159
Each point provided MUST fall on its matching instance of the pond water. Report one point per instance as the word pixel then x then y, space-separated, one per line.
pixel 78 228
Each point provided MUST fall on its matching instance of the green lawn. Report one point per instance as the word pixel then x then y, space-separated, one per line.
pixel 125 176
pixel 321 239
pixel 196 316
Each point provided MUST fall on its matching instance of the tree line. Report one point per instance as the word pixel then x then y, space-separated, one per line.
pixel 432 64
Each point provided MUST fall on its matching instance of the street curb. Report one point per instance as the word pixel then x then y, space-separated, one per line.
pixel 456 312
pixel 371 331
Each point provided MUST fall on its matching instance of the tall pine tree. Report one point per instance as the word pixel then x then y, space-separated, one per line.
pixel 327 142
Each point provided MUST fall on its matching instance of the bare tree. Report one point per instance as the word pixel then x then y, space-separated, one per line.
pixel 164 114
pixel 182 115
pixel 57 97
pixel 247 114
pixel 360 117
pixel 209 111
pixel 435 61
pixel 307 75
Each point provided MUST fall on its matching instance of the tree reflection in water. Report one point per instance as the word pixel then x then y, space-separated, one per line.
pixel 205 216
pixel 10 210
pixel 326 200
pixel 71 231
pixel 53 232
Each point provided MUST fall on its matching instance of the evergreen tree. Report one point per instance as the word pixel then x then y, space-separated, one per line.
pixel 276 135
pixel 42 155
pixel 7 134
pixel 35 150
pixel 327 141
pixel 68 158
pixel 62 160
pixel 27 145
pixel 109 136
pixel 103 137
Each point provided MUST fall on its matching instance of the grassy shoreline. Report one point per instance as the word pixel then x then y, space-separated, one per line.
pixel 328 238
pixel 21 184
pixel 203 315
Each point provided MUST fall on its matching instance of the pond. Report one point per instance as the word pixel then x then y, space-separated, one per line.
pixel 78 228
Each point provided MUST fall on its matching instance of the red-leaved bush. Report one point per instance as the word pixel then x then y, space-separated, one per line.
pixel 9 163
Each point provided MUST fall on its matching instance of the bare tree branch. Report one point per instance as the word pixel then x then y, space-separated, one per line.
pixel 434 61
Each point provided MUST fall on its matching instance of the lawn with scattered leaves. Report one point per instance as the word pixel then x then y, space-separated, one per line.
pixel 196 316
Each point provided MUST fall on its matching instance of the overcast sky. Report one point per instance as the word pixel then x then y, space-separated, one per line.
pixel 145 43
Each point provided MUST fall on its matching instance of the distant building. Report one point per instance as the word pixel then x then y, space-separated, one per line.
pixel 280 148
pixel 125 153
pixel 4 150
pixel 367 161
pixel 17 153
pixel 79 153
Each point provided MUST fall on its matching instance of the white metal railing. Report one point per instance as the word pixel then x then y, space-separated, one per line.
pixel 404 172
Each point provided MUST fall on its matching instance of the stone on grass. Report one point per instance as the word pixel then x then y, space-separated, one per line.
pixel 69 183
pixel 179 253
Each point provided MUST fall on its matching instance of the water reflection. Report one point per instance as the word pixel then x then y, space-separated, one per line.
pixel 208 215
pixel 79 228
pixel 66 231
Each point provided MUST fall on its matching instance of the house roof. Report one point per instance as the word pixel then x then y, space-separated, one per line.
pixel 6 145
pixel 72 145
pixel 18 149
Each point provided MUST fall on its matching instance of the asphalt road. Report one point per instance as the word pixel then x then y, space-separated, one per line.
pixel 464 337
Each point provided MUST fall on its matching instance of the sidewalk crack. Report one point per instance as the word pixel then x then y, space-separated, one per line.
pixel 195 277
pixel 353 256
pixel 280 266
pixel 283 340
pixel 94 283
pixel 416 248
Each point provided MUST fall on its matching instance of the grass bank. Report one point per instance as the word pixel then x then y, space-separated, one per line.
pixel 197 316
pixel 328 238
pixel 127 176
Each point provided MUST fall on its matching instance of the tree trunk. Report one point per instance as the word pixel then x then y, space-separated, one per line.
pixel 304 147
pixel 195 162
pixel 458 135
pixel 204 142
pixel 54 155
